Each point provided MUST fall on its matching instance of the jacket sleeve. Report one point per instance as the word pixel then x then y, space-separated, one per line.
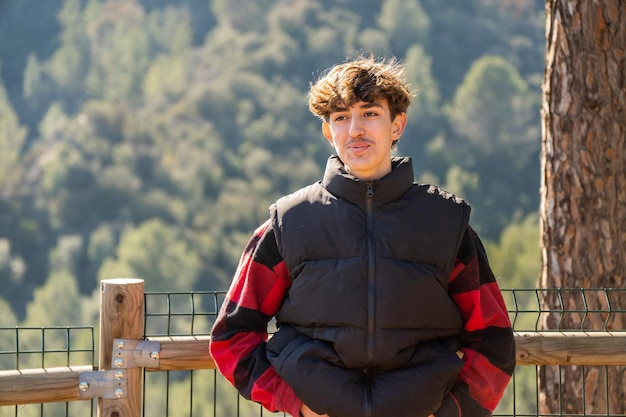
pixel 239 334
pixel 487 340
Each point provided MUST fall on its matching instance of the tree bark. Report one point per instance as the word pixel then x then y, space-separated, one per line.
pixel 583 190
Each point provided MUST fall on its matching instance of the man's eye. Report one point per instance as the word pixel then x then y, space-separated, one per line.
pixel 340 118
pixel 371 114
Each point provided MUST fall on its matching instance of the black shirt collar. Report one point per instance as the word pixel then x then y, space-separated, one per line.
pixel 339 182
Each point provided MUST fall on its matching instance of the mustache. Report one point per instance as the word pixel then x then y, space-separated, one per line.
pixel 360 141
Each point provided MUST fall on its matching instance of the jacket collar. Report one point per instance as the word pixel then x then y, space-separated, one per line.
pixel 339 182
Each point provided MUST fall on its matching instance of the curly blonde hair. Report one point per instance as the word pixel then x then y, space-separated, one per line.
pixel 363 79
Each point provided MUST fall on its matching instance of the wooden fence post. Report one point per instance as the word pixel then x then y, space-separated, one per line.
pixel 121 317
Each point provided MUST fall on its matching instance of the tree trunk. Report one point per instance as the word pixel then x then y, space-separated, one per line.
pixel 583 207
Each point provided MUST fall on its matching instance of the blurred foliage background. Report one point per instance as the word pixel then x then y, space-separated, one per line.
pixel 148 138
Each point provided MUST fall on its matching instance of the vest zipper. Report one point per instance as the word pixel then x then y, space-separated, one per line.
pixel 371 284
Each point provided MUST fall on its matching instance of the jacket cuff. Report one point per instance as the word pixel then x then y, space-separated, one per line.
pixel 288 402
pixel 449 407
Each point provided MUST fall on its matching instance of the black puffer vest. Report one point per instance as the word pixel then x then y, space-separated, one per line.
pixel 370 263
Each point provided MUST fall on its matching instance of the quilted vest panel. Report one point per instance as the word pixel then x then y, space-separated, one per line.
pixel 408 247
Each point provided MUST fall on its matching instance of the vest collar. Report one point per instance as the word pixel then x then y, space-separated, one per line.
pixel 338 181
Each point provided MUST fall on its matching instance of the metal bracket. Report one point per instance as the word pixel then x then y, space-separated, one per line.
pixel 129 353
pixel 103 384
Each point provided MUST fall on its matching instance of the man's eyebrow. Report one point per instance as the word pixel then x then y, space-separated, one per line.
pixel 370 105
pixel 365 105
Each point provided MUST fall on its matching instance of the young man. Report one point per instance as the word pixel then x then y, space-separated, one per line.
pixel 383 296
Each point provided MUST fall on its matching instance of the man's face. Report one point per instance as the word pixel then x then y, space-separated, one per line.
pixel 362 136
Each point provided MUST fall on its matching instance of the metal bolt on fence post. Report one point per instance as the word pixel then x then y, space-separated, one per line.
pixel 119 344
pixel 119 393
pixel 154 355
pixel 83 386
pixel 120 374
pixel 118 363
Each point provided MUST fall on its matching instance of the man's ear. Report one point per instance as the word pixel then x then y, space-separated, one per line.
pixel 327 133
pixel 398 125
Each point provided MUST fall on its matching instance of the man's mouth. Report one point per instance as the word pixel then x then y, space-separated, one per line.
pixel 357 146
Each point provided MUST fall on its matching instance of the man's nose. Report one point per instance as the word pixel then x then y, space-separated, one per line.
pixel 356 127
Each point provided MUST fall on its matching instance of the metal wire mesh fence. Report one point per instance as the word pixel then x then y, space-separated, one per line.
pixel 195 392
pixel 205 393
pixel 564 310
pixel 567 309
pixel 24 348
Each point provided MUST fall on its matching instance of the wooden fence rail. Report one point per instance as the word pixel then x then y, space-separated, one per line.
pixel 123 353
pixel 33 386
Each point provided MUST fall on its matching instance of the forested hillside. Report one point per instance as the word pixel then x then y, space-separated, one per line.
pixel 148 138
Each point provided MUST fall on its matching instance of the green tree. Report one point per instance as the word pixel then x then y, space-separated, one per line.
pixel 492 110
pixel 166 80
pixel 7 318
pixel 243 15
pixel 7 342
pixel 13 219
pixel 12 270
pixel 156 253
pixel 462 32
pixel 420 75
pixel 171 29
pixel 56 303
pixel 67 254
pixel 491 115
pixel 12 139
pixel 406 22
pixel 119 50
pixel 61 77
pixel 516 258
pixel 375 40
pixel 425 114
pixel 53 123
